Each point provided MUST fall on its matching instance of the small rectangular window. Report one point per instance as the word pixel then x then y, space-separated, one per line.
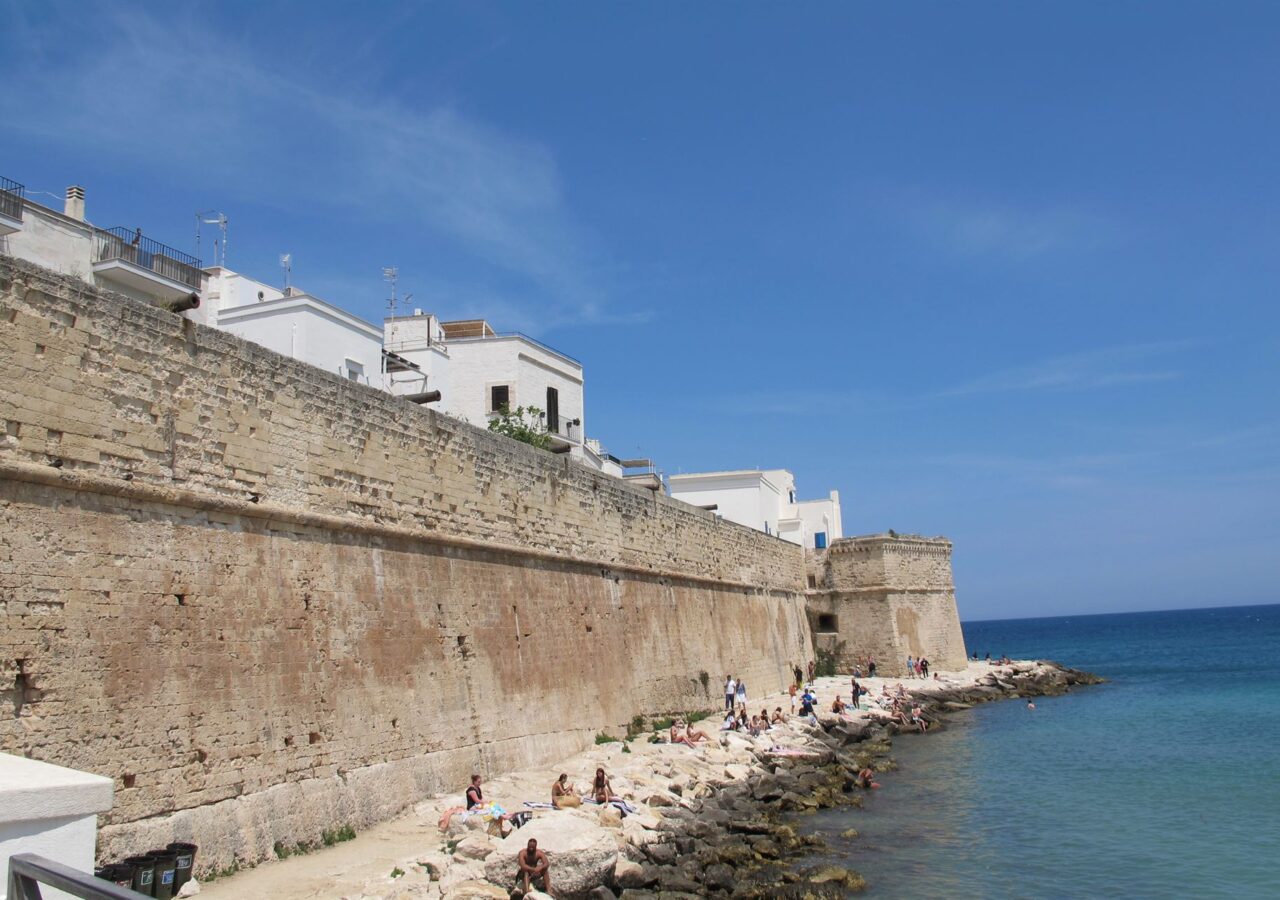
pixel 813 582
pixel 499 397
pixel 355 371
pixel 827 623
pixel 820 540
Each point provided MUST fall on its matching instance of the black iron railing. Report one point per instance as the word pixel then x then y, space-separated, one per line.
pixel 27 872
pixel 11 194
pixel 566 427
pixel 131 247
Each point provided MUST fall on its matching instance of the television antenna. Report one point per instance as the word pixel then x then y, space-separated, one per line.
pixel 390 274
pixel 213 217
pixel 286 263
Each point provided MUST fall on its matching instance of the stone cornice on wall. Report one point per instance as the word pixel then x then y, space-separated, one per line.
pixel 913 544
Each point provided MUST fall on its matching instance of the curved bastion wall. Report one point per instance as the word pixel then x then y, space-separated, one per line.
pixel 269 602
pixel 886 596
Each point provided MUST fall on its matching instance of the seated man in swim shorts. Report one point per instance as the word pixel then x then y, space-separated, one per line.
pixel 534 866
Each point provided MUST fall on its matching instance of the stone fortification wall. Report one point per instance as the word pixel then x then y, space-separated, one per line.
pixel 889 597
pixel 269 602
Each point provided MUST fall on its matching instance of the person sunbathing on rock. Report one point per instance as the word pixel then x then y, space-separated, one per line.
pixel 562 793
pixel 534 866
pixel 601 790
pixel 475 797
pixel 917 719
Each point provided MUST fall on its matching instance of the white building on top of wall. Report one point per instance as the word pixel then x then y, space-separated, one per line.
pixel 294 323
pixel 764 499
pixel 121 259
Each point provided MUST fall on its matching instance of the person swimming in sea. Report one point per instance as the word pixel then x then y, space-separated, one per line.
pixel 1031 704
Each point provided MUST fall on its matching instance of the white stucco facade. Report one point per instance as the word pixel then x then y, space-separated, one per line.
pixel 526 369
pixel 51 811
pixel 226 289
pixel 764 499
pixel 311 330
pixel 420 359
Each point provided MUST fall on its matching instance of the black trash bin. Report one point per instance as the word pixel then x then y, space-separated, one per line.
pixel 166 865
pixel 186 863
pixel 144 874
pixel 117 873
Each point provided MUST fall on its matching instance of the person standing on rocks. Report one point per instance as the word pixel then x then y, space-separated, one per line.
pixel 857 691
pixel 911 667
pixel 871 667
pixel 729 685
pixel 924 667
pixel 793 696
pixel 534 866
pixel 799 676
pixel 742 692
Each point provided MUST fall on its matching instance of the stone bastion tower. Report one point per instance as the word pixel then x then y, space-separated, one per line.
pixel 888 596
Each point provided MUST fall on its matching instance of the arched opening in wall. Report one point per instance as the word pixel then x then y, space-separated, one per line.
pixel 827 623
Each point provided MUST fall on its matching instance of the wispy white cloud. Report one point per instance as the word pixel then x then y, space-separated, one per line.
pixel 268 129
pixel 1107 367
pixel 994 229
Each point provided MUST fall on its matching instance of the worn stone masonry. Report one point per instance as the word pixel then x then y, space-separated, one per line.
pixel 887 596
pixel 268 601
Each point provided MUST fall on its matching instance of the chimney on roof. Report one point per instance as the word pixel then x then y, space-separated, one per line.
pixel 74 208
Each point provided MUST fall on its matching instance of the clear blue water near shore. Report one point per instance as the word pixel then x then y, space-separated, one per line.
pixel 1165 782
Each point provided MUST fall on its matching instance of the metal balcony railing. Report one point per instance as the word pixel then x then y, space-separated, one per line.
pixel 143 252
pixel 11 196
pixel 27 872
pixel 564 427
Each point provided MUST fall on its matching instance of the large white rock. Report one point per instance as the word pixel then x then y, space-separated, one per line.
pixel 580 852
pixel 477 890
pixel 475 846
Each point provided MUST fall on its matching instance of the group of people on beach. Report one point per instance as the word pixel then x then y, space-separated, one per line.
pixel 1002 661
pixel 533 863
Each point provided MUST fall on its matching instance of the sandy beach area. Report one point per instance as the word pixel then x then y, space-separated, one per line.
pixel 410 857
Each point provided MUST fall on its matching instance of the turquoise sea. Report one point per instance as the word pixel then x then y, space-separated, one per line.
pixel 1165 782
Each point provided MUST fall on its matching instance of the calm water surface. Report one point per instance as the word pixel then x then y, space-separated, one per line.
pixel 1163 783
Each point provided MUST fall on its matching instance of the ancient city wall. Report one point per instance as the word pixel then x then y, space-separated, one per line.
pixel 888 597
pixel 268 601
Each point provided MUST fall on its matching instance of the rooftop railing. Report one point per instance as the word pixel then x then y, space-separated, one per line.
pixel 11 196
pixel 145 253
pixel 521 335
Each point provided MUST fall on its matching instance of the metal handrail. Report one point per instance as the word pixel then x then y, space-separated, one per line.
pixel 11 196
pixel 132 247
pixel 564 426
pixel 27 871
pixel 515 334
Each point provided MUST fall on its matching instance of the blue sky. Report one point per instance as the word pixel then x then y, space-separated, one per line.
pixel 1001 271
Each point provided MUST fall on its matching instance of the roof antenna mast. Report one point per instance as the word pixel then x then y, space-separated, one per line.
pixel 389 275
pixel 213 217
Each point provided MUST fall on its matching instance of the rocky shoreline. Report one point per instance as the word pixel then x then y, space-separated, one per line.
pixel 739 843
pixel 715 820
